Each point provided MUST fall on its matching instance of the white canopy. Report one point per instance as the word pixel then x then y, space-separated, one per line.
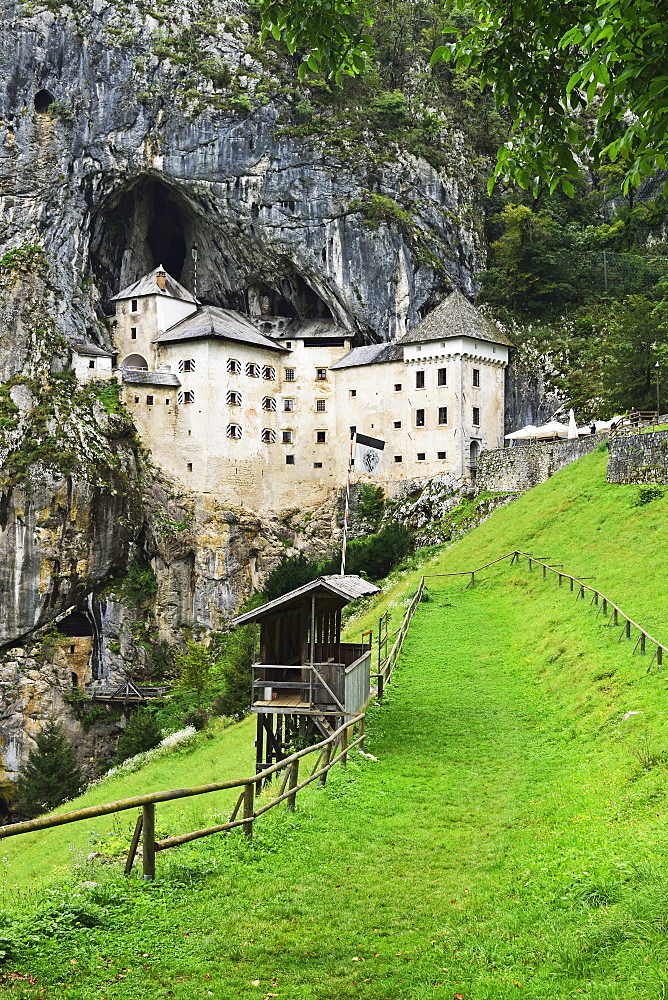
pixel 572 426
pixel 549 430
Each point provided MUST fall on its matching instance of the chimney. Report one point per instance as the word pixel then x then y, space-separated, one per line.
pixel 161 279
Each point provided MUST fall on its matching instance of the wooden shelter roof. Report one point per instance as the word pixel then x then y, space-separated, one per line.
pixel 345 588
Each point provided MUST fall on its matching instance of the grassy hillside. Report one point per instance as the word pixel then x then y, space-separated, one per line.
pixel 509 840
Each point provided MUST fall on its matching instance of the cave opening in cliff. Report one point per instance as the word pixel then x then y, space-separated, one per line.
pixel 291 296
pixel 136 230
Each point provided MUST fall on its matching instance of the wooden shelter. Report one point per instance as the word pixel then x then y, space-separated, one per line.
pixel 306 681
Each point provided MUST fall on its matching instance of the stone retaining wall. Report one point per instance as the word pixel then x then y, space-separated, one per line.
pixel 523 466
pixel 639 458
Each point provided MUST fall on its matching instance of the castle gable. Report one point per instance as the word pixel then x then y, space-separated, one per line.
pixel 156 282
pixel 455 317
pixel 224 324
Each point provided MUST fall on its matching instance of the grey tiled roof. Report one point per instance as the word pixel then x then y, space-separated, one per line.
pixel 348 587
pixel 312 329
pixel 138 377
pixel 211 321
pixel 370 354
pixel 455 317
pixel 149 286
pixel 92 351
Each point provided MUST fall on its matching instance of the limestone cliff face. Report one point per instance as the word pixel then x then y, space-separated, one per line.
pixel 147 152
pixel 128 137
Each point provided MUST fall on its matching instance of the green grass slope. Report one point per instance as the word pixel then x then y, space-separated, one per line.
pixel 510 839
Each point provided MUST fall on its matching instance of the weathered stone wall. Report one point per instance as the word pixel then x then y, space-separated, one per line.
pixel 639 458
pixel 524 466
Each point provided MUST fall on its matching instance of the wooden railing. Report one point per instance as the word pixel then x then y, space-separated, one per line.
pixel 250 787
pixel 386 667
pixel 604 603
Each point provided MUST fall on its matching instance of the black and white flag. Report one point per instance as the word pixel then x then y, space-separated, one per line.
pixel 368 454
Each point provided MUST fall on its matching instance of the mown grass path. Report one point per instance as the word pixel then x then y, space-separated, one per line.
pixel 485 854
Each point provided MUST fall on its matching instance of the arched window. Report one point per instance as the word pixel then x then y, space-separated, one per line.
pixel 233 366
pixel 268 403
pixel 234 431
pixel 233 398
pixel 135 362
pixel 268 435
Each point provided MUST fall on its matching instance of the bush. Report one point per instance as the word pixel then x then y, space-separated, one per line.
pixel 370 505
pixel 142 733
pixel 140 585
pixel 194 666
pixel 375 555
pixel 51 775
pixel 291 572
pixel 234 657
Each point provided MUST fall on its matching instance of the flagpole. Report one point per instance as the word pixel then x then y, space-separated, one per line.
pixel 347 508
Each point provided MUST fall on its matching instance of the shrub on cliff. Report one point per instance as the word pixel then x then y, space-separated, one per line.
pixel 142 733
pixel 290 573
pixel 51 774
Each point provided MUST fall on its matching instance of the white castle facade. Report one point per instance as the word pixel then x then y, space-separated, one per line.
pixel 259 413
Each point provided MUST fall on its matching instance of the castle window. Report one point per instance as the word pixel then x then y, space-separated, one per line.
pixel 166 402
pixel 289 374
pixel 419 380
pixel 419 418
pixel 252 370
pixel 288 405
pixel 75 678
pixel 268 435
pixel 317 465
pixel 187 365
pixel 442 376
pixel 91 364
pixel 149 400
pixel 133 333
pixel 289 459
pixel 288 343
pixel 476 416
pixel 268 403
pixel 269 373
pixel 234 431
pixel 321 437
pixel 136 399
pixel 233 366
pixel 440 455
pixel 398 458
pixel 476 377
pixel 186 397
pixel 397 386
pixel 73 649
pixel 421 456
pixel 320 405
pixel 397 424
pixel 442 414
pixel 189 467
pixel 287 437
pixel 233 398
pixel 352 392
pixel 321 374
pixel 134 306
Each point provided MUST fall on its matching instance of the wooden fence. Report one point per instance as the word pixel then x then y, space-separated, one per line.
pixel 339 742
pixel 577 584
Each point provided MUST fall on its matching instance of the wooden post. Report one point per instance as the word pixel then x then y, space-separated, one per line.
pixel 560 580
pixel 544 572
pixel 605 606
pixel 381 684
pixel 361 732
pixel 344 745
pixel 572 584
pixel 134 844
pixel 642 643
pixel 530 566
pixel 148 840
pixel 248 809
pixel 325 763
pixel 659 656
pixel 615 616
pixel 292 782
pixel 628 629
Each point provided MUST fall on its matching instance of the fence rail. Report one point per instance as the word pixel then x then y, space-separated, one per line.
pixel 145 825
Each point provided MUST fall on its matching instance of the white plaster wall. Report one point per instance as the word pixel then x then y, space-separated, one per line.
pixel 170 311
pixel 102 368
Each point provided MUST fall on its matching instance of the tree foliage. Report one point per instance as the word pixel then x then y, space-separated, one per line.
pixel 194 666
pixel 51 774
pixel 583 80
pixel 141 733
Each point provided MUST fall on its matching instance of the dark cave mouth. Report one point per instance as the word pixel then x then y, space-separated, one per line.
pixel 150 224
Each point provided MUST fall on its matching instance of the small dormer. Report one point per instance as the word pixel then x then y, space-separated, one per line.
pixel 154 303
